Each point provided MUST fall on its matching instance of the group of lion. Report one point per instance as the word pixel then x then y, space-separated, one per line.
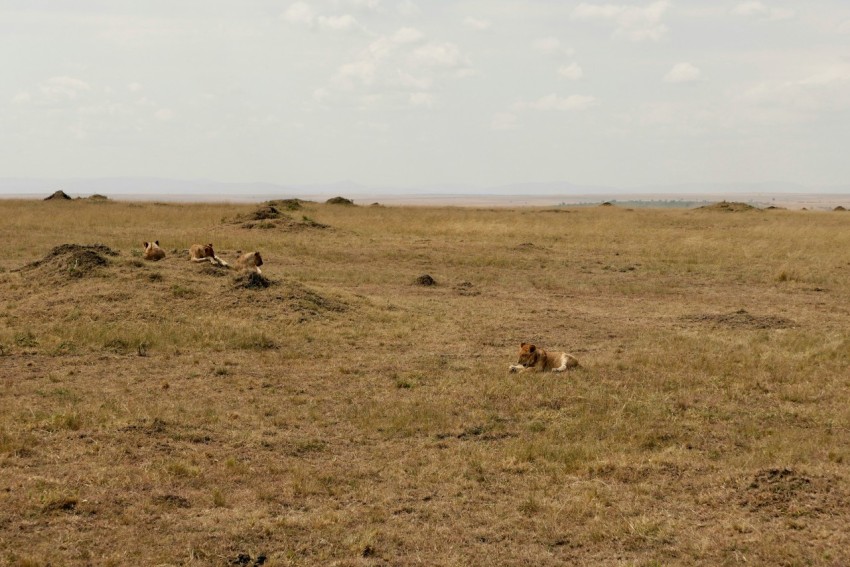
pixel 250 261
pixel 531 357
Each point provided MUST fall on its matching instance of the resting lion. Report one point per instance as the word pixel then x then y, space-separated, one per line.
pixel 533 359
pixel 249 261
pixel 153 252
pixel 205 253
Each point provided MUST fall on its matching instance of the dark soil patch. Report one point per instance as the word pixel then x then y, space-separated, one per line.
pixel 214 270
pixel 265 212
pixel 58 196
pixel 251 280
pixel 339 201
pixel 73 260
pixel 466 289
pixel 172 501
pixel 742 319
pixel 782 491
pixel 287 204
pixel 425 280
pixel 729 207
pixel 268 217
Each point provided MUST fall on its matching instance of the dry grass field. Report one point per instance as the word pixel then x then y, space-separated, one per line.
pixel 166 414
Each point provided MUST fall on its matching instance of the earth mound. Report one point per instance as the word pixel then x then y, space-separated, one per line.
pixel 251 280
pixel 58 196
pixel 268 216
pixel 729 207
pixel 265 212
pixel 287 204
pixel 606 204
pixel 425 280
pixel 839 208
pixel 339 201
pixel 73 260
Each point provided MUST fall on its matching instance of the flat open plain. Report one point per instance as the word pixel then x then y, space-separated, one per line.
pixel 166 414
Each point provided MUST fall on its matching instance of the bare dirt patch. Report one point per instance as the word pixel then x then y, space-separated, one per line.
pixel 787 492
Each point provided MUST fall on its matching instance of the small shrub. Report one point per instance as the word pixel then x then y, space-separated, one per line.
pixel 178 290
pixel 218 498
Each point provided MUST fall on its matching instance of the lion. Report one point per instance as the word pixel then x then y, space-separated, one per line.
pixel 533 359
pixel 249 261
pixel 153 252
pixel 205 253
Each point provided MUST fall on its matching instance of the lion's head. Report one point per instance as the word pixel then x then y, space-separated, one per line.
pixel 528 355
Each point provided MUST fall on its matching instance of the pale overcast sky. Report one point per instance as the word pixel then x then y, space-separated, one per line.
pixel 416 92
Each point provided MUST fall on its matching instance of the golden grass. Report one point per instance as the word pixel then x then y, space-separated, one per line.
pixel 159 413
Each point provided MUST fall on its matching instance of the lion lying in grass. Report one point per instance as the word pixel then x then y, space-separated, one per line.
pixel 533 359
pixel 250 261
pixel 153 252
pixel 205 253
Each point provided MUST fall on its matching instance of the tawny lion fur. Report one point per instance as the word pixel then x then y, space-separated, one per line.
pixel 249 261
pixel 205 253
pixel 153 252
pixel 533 359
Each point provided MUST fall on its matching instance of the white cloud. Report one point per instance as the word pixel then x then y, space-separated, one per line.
pixel 547 44
pixel 477 24
pixel 445 55
pixel 504 121
pixel 372 5
pixel 422 99
pixel 407 35
pixel 410 81
pixel 164 114
pixel 555 102
pixel 635 23
pixel 337 23
pixel 134 87
pixel 682 73
pixel 22 97
pixel 572 71
pixel 63 87
pixel 362 71
pixel 755 8
pixel 299 13
pixel 408 8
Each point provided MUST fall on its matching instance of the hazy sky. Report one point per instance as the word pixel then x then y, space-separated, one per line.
pixel 416 92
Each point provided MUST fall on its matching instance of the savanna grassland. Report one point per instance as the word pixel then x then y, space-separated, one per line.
pixel 166 414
